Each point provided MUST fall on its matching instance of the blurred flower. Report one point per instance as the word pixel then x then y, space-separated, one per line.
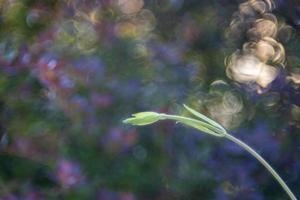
pixel 117 139
pixel 41 147
pixel 105 194
pixel 69 174
pixel 9 197
pixel 102 100
pixel 33 195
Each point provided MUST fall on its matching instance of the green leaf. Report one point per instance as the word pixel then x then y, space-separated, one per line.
pixel 197 124
pixel 200 127
pixel 204 118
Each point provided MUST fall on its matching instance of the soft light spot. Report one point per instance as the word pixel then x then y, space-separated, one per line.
pixel 249 69
pixel 130 6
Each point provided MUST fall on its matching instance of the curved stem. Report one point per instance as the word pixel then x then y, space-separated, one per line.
pixel 206 125
pixel 263 162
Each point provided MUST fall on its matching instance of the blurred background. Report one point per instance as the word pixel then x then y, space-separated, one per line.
pixel 72 70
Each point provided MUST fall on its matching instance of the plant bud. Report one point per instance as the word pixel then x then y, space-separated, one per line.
pixel 143 118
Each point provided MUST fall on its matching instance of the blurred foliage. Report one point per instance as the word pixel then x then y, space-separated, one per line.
pixel 72 70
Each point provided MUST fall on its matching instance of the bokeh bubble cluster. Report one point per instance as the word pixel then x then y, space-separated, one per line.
pixel 260 59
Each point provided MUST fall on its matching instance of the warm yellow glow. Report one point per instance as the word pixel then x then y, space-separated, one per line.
pixel 295 77
pixel 263 28
pixel 126 30
pixel 267 75
pixel 249 69
pixel 264 51
pixel 257 63
pixel 130 6
pixel 225 105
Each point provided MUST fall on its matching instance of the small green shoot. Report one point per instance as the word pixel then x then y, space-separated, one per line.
pixel 205 125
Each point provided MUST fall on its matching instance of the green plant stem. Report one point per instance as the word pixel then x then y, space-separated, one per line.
pixel 222 133
pixel 206 125
pixel 263 162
